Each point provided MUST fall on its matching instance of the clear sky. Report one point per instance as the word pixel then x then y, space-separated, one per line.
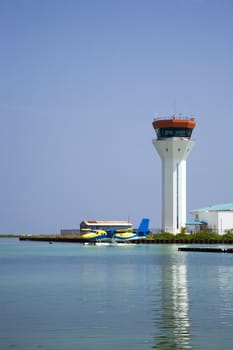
pixel 82 80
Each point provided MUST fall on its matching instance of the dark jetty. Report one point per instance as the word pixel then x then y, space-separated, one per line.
pixel 206 249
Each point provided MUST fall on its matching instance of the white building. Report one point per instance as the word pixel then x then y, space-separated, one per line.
pixel 97 225
pixel 216 218
pixel 105 225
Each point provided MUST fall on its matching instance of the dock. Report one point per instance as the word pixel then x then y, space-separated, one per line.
pixel 206 249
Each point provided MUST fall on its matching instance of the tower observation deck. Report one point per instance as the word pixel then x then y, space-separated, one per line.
pixel 173 144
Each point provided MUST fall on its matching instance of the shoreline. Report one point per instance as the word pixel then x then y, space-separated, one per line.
pixel 78 239
pixel 72 239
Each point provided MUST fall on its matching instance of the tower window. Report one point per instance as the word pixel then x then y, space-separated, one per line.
pixel 173 132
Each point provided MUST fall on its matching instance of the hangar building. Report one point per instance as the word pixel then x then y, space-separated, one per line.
pixel 104 225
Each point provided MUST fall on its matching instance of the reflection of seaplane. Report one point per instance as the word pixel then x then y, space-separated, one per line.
pixel 113 237
pixel 110 243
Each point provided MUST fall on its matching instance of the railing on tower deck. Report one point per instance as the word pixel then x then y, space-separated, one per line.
pixel 172 117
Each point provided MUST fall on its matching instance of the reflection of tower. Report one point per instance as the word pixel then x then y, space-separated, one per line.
pixel 174 145
pixel 173 321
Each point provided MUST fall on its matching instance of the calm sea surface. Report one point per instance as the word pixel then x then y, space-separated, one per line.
pixel 69 296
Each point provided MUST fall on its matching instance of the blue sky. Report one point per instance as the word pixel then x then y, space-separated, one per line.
pixel 81 82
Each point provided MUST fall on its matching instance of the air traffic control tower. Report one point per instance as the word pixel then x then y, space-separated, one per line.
pixel 173 144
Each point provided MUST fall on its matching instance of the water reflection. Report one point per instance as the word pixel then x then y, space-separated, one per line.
pixel 225 297
pixel 171 316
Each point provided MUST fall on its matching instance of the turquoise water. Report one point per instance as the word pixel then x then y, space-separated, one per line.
pixel 70 296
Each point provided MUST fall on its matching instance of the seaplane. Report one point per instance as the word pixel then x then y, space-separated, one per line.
pixel 96 235
pixel 129 234
pixel 117 237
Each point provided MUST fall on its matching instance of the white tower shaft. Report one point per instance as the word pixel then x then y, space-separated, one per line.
pixel 173 152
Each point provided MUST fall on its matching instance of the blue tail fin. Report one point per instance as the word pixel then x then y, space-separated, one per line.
pixel 143 228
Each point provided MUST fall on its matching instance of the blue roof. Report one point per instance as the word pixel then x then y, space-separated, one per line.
pixel 217 207
pixel 196 223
